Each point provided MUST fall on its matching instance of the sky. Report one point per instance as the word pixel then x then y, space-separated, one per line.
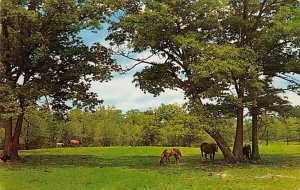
pixel 122 94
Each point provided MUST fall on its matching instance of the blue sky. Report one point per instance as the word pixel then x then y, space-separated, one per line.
pixel 122 94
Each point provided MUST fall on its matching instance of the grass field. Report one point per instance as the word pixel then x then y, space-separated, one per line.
pixel 138 168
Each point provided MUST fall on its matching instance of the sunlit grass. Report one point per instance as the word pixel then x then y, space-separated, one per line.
pixel 138 168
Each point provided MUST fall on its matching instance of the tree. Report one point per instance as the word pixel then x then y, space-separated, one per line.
pixel 43 56
pixel 108 127
pixel 217 50
pixel 134 123
pixel 177 126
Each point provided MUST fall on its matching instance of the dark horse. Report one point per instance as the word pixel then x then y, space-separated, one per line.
pixel 247 151
pixel 167 153
pixel 210 149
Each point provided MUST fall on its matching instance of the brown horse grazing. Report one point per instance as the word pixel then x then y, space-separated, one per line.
pixel 247 151
pixel 210 149
pixel 167 153
pixel 74 143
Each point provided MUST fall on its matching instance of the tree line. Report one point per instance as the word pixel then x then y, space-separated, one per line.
pixel 167 125
pixel 227 52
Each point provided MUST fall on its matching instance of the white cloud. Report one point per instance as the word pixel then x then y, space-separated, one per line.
pixel 293 98
pixel 121 93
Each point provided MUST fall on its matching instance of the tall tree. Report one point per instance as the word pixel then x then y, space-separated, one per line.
pixel 211 49
pixel 43 56
pixel 273 33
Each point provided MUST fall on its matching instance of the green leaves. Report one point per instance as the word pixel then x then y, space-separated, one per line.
pixel 43 55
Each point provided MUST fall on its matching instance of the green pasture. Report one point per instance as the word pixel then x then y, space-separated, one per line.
pixel 138 168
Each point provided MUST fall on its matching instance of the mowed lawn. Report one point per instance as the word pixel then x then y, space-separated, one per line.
pixel 138 168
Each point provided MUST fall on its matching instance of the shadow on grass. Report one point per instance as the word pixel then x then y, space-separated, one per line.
pixel 188 162
pixel 46 162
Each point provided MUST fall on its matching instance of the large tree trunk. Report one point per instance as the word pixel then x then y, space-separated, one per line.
pixel 15 142
pixel 255 150
pixel 8 137
pixel 239 135
pixel 228 156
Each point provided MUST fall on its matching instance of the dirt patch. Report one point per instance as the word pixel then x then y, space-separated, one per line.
pixel 221 175
pixel 270 176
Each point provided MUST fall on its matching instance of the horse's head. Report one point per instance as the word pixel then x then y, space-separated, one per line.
pixel 178 151
pixel 161 161
pixel 214 147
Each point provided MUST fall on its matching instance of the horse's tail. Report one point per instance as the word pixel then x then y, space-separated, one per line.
pixel 201 148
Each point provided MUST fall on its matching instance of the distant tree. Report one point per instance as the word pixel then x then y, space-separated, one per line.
pixel 107 129
pixel 177 126
pixel 133 126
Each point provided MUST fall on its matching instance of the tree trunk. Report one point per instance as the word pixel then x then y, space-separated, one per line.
pixel 228 156
pixel 288 133
pixel 267 138
pixel 255 151
pixel 239 135
pixel 15 142
pixel 8 136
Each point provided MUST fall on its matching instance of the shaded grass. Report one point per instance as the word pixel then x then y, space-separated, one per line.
pixel 138 168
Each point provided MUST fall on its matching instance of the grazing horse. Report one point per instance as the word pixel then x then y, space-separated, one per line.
pixel 210 149
pixel 59 145
pixel 167 153
pixel 74 143
pixel 247 151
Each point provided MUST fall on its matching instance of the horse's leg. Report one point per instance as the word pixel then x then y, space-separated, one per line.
pixel 167 159
pixel 213 155
pixel 177 159
pixel 205 155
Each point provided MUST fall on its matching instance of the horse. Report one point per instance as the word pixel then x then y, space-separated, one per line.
pixel 247 151
pixel 59 145
pixel 74 143
pixel 210 149
pixel 167 153
pixel 5 158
